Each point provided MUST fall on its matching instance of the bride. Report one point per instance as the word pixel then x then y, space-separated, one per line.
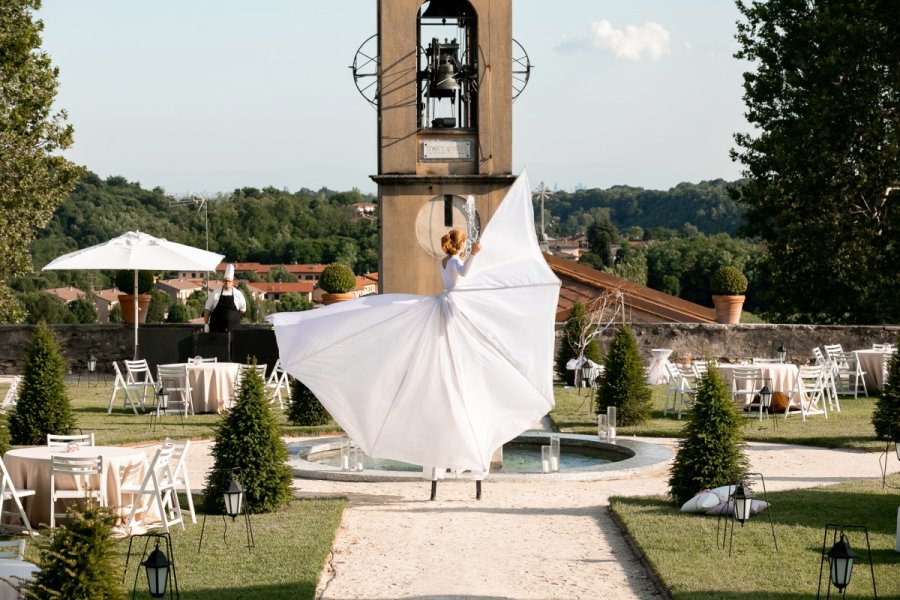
pixel 439 380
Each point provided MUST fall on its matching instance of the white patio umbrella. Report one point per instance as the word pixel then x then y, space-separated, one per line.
pixel 137 251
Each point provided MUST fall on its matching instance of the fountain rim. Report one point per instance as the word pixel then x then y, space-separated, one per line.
pixel 640 457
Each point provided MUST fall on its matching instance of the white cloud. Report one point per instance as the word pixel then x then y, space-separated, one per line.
pixel 650 41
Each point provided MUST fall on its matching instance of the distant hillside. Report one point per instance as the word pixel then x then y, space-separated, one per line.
pixel 705 205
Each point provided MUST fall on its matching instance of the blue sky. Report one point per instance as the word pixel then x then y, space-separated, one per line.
pixel 202 97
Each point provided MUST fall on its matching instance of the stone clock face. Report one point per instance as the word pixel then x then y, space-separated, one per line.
pixel 432 221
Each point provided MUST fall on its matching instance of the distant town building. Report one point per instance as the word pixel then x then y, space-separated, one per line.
pixel 179 290
pixel 66 294
pixel 104 302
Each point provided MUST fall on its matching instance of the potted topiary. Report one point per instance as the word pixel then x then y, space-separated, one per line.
pixel 728 285
pixel 125 283
pixel 336 281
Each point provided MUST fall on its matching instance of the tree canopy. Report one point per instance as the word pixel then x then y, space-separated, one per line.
pixel 34 178
pixel 823 164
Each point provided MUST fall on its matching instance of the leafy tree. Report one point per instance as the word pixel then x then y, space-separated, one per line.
pixel 83 310
pixel 196 302
pixel 821 166
pixel 600 236
pixel 576 338
pixel 281 275
pixel 178 313
pixel 159 302
pixel 711 454
pixel 43 406
pixel 248 437
pixel 41 306
pixel 81 560
pixel 4 432
pixel 34 177
pixel 886 416
pixel 623 383
pixel 294 303
pixel 305 408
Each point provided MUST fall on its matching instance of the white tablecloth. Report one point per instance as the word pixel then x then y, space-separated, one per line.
pixel 29 468
pixel 870 362
pixel 12 572
pixel 656 370
pixel 780 377
pixel 212 385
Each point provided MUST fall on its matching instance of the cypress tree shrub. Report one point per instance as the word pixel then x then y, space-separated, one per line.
pixel 305 408
pixel 81 561
pixel 886 416
pixel 43 406
pixel 573 333
pixel 4 432
pixel 623 383
pixel 248 437
pixel 712 452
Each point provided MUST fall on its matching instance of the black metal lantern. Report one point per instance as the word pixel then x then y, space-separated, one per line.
pixel 743 501
pixel 841 557
pixel 782 353
pixel 92 363
pixel 587 371
pixel 157 568
pixel 234 499
pixel 765 398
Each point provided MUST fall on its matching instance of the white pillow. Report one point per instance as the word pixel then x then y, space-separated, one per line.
pixel 725 508
pixel 724 493
pixel 701 502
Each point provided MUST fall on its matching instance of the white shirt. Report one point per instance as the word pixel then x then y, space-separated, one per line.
pixel 240 302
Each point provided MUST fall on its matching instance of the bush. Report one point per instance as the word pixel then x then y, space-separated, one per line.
pixel 337 278
pixel 711 454
pixel 728 281
pixel 84 311
pixel 305 408
pixel 568 348
pixel 125 282
pixel 248 437
pixel 4 432
pixel 623 383
pixel 43 406
pixel 81 561
pixel 178 313
pixel 886 416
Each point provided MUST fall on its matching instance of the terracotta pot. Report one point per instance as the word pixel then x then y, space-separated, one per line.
pixel 728 308
pixel 332 298
pixel 126 301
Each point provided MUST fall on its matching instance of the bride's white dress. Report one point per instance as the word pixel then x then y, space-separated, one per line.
pixel 439 380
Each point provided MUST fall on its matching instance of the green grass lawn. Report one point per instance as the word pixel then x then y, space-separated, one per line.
pixel 681 548
pixel 850 428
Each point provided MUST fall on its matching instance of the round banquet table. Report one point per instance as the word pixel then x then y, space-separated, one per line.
pixel 29 468
pixel 870 362
pixel 212 385
pixel 781 377
pixel 656 372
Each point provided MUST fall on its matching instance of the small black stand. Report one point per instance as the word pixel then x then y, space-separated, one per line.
pixel 731 518
pixel 249 526
pixel 173 589
pixel 838 529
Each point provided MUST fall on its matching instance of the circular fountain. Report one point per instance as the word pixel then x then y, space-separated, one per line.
pixel 582 458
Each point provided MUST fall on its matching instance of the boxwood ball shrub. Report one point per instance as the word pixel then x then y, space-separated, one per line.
pixel 712 452
pixel 248 437
pixel 125 282
pixel 337 278
pixel 623 383
pixel 43 406
pixel 728 281
pixel 304 408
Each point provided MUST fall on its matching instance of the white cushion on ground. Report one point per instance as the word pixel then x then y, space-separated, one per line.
pixel 725 508
pixel 724 493
pixel 700 503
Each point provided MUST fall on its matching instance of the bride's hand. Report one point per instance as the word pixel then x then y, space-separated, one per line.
pixel 476 248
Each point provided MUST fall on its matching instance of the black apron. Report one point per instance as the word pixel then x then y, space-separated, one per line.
pixel 225 316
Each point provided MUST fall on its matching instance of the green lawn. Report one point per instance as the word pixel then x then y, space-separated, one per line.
pixel 681 548
pixel 850 428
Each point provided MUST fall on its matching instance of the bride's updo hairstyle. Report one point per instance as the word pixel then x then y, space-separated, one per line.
pixel 453 241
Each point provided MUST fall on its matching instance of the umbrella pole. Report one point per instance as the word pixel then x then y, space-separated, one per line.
pixel 136 351
pixel 433 489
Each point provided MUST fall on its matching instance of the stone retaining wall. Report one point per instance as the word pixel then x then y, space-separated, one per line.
pixel 173 343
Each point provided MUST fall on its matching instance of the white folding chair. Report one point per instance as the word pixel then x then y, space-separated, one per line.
pixel 180 476
pixel 159 483
pixel 138 373
pixel 127 389
pixel 87 475
pixel 12 393
pixel 277 382
pixel 174 392
pixel 213 359
pixel 746 383
pixel 849 374
pixel 831 349
pixel 809 392
pixel 261 369
pixel 687 390
pixel 673 381
pixel 86 439
pixel 12 549
pixel 8 491
pixel 757 360
pixel 819 356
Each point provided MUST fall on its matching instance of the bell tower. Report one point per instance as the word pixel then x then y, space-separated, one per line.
pixel 442 75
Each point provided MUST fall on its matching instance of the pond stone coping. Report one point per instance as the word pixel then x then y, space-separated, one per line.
pixel 639 457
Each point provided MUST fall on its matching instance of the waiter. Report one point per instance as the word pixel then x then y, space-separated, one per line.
pixel 225 306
